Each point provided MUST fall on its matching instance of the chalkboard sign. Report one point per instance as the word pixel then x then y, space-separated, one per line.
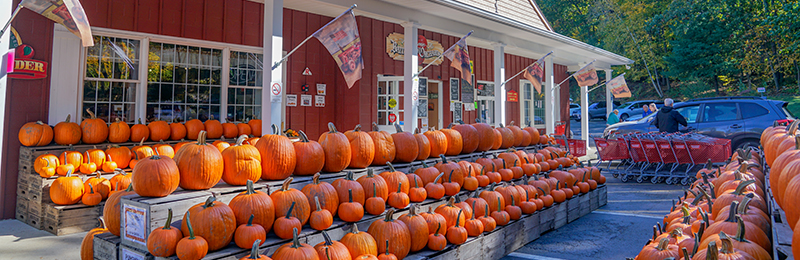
pixel 467 92
pixel 454 89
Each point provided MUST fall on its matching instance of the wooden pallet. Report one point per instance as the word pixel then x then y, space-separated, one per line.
pixel 106 246
pixel 574 207
pixel 602 195
pixel 560 214
pixel 68 219
pixel 594 200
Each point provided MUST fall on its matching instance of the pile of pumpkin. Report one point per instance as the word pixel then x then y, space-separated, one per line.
pixel 252 214
pixel 723 216
pixel 782 153
pixel 161 169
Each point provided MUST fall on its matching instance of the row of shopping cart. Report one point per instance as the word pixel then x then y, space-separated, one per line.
pixel 668 157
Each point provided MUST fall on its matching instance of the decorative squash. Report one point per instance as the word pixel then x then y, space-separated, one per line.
pixel 229 130
pixel 242 162
pixel 359 243
pixel 162 241
pixel 191 247
pixel 436 241
pixel 394 179
pixel 332 249
pixel 111 209
pixel 255 126
pixel 325 192
pixel 177 131
pixel 367 182
pixel 454 141
pixel 336 148
pixel 347 185
pixel 88 166
pixel 91 198
pixel 434 189
pixel 438 142
pixel 397 231
pixel 244 129
pixel 212 220
pixel 457 234
pixel 287 223
pixel 159 130
pixel 35 134
pixel 120 154
pixel 281 153
pixel 66 190
pixel 67 133
pixel 109 165
pixel 295 250
pixel 423 144
pixel 310 156
pixel 87 245
pixel 247 234
pixel 362 149
pixel 101 185
pixel 200 164
pixel 398 199
pixel 469 137
pixel 193 128
pixel 384 146
pixel 406 140
pixel 253 203
pixel 93 130
pixel 45 165
pixel 164 149
pixel 474 226
pixel 139 131
pixel 286 196
pixel 214 128
pixel 375 205
pixel 418 228
pixel 155 176
pixel 351 211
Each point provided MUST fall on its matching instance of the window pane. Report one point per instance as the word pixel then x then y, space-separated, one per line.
pixel 215 112
pixel 180 94
pixel 750 110
pixel 89 90
pixel 248 113
pixel 130 92
pixel 257 97
pixel 215 95
pixel 239 113
pixel 248 96
pixel 92 67
pixel 689 112
pixel 203 95
pixel 231 96
pixel 117 91
pixel 231 111
pixel 151 113
pixel 152 93
pixel 181 54
pixel 191 94
pixel 166 93
pixel 180 74
pixel 103 88
pixel 719 112
pixel 102 111
pixel 192 75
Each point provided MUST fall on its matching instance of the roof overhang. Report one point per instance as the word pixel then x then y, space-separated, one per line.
pixel 455 18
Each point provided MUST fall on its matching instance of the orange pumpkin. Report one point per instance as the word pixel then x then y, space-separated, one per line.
pixel 212 220
pixel 485 135
pixel 533 133
pixel 213 128
pixel 45 165
pixel 100 184
pixel 67 133
pixel 193 128
pixel 71 157
pixel 35 134
pixel 406 140
pixel 242 162
pixel 162 242
pixel 384 146
pixel 282 154
pixel 93 130
pixel 66 190
pixel 498 139
pixel 200 164
pixel 87 245
pixel 507 137
pixel 243 129
pixel 111 209
pixel 336 147
pixel 362 149
pixel 159 130
pixel 423 144
pixel 517 132
pixel 255 126
pixel 155 176
pixel 177 131
pixel 253 203
pixel 324 192
pixel 139 131
pixel 288 198
pixel 438 142
pixel 120 154
pixel 469 137
pixel 119 132
pixel 454 141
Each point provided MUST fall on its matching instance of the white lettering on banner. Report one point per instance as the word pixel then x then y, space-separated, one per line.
pixel 134 218
pixel 129 255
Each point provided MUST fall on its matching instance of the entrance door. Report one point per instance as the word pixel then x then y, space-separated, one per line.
pixel 485 99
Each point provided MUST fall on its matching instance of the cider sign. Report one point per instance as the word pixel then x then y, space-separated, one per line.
pixel 21 66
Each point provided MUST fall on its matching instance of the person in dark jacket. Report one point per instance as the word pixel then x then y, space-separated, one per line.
pixel 667 119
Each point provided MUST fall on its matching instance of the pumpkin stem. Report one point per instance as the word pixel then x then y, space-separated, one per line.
pixel 504 163
pixel 436 181
pixel 742 185
pixel 370 173
pixel 250 189
pixel 527 196
pixel 436 234
pixel 350 193
pixel 189 225
pixel 387 247
pixel 315 179
pixel 303 137
pixel 254 250
pixel 389 214
pixel 275 130
pixel 450 179
pixel 458 217
pixel 374 192
pixel 209 202
pixel 249 221
pixel 349 176
pixel 498 204
pixel 355 229
pixel 201 138
pixel 240 140
pixel 69 173
pixel 469 171
pixel 295 242
pixel 425 165
pixel 444 160
pixel 391 167
pixel 130 186
pixel 662 245
pixel 328 241
pixel 90 114
pixel 375 127
pixel 512 200
pixel 316 201
pixel 745 201
pixel 399 185
pixel 451 201
pixel 543 191
pixel 397 128
pixel 289 213
pixel 286 183
pixel 473 206
pixel 91 189
pixel 740 231
pixel 486 211
pixel 415 183
pixel 732 212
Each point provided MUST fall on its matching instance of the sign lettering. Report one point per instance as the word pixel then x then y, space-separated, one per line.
pixel 428 50
pixel 23 67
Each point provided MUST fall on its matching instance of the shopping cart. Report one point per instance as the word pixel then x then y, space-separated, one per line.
pixel 612 149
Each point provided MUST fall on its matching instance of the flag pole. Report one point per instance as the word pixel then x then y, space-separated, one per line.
pixel 310 36
pixel 13 15
pixel 441 56
pixel 523 70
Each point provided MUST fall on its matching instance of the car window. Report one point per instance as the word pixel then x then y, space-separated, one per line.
pixel 716 112
pixel 574 106
pixel 689 112
pixel 750 110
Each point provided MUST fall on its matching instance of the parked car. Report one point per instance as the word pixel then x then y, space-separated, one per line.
pixel 574 111
pixel 598 110
pixel 634 108
pixel 740 119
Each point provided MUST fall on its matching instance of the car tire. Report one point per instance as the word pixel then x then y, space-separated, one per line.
pixel 623 117
pixel 747 143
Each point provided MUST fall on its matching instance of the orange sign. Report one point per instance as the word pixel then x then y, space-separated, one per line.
pixel 22 67
pixel 512 96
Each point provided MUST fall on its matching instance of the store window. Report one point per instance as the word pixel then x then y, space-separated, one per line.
pixel 183 82
pixel 109 85
pixel 532 105
pixel 389 101
pixel 244 92
pixel 485 101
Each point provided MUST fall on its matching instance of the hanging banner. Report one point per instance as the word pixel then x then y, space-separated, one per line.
pixel 459 58
pixel 428 50
pixel 66 12
pixel 619 88
pixel 587 76
pixel 341 38
pixel 534 73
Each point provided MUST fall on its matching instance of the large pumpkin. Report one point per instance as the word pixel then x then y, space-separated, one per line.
pixel 346 187
pixel 193 128
pixel 285 197
pixel 423 144
pixel 66 133
pixel 534 134
pixel 242 162
pixel 281 154
pixel 469 137
pixel 394 179
pixel 87 245
pixel 119 132
pixel 517 132
pixel 35 134
pixel 159 130
pixel 213 128
pixel 362 149
pixel 120 154
pixel 374 184
pixel 454 141
pixel 155 176
pixel 359 243
pixel 139 131
pixel 66 190
pixel 200 164
pixel 485 135
pixel 396 231
pixel 498 139
pixel 384 146
pixel 177 131
pixel 325 193
pixel 253 203
pixel 93 130
pixel 111 209
pixel 337 150
pixel 212 220
pixel 417 227
pixel 438 142
pixel 409 147
pixel 508 137
pixel 255 127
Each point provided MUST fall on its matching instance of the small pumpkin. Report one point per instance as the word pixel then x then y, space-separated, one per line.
pixel 254 253
pixel 326 193
pixel 177 131
pixel 438 142
pixel 398 199
pixel 229 130
pixel 93 130
pixel 164 149
pixel 394 178
pixel 255 126
pixel 330 249
pixel 191 247
pixel 434 189
pixel 474 226
pixel 351 211
pixel 489 223
pixel 67 133
pixel 120 154
pixel 295 250
pixel 381 185
pixel 436 241
pixel 385 149
pixel 347 185
pixel 285 224
pixel 457 234
pixel 139 131
pixel 162 242
pixel 359 243
pixel 101 185
pixel 375 205
pixel 244 129
pixel 109 165
pixel 417 193
pixel 91 198
pixel 310 156
pixel 45 165
pixel 500 216
pixel 214 128
pixel 88 167
pixel 35 134
pixel 286 197
pixel 253 203
pixel 247 234
pixel 241 162
pixel 397 231
pixel 320 218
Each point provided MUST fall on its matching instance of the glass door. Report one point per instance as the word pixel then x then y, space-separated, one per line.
pixel 390 102
pixel 485 100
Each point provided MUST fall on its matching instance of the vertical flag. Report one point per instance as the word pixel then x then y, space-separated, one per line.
pixel 459 58
pixel 66 12
pixel 534 73
pixel 587 76
pixel 341 38
pixel 618 87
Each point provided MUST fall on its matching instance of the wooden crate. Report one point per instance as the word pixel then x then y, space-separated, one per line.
pixel 68 219
pixel 560 215
pixel 129 253
pixel 603 195
pixel 547 219
pixel 493 243
pixel 515 235
pixel 594 200
pixel 106 246
pixel 472 249
pixel 532 227
pixel 21 211
pixel 585 204
pixel 573 208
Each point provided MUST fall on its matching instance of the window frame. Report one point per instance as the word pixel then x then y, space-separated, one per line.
pixel 533 108
pixel 144 50
pixel 741 110
pixel 701 113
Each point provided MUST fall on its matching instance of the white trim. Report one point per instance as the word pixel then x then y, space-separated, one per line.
pixel 64 99
pixel 226 78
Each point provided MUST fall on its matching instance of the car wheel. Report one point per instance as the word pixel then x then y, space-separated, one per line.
pixel 747 143
pixel 623 117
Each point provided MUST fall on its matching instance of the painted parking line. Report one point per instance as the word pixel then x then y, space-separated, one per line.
pixel 625 214
pixel 532 257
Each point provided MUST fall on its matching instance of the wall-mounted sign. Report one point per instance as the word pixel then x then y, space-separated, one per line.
pixel 307 72
pixel 319 101
pixel 392 118
pixel 291 100
pixel 21 66
pixel 433 96
pixel 429 50
pixel 392 103
pixel 322 89
pixel 512 96
pixel 454 89
pixel 305 100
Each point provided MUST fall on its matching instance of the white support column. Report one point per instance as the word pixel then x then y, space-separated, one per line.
pixel 272 105
pixel 585 115
pixel 226 81
pixel 609 97
pixel 5 15
pixel 410 83
pixel 499 78
pixel 549 97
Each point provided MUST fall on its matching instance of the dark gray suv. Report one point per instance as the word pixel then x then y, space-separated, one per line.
pixel 740 119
